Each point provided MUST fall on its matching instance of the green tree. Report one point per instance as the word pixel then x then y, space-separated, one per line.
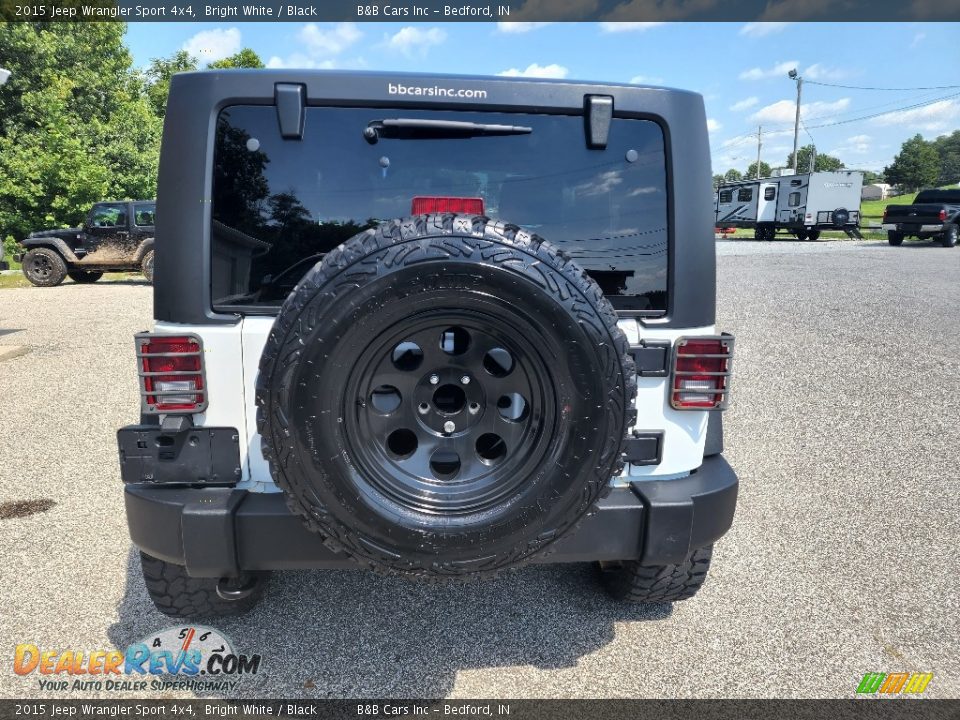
pixel 76 125
pixel 948 148
pixel 752 170
pixel 717 181
pixel 246 58
pixel 916 166
pixel 823 163
pixel 158 77
pixel 732 175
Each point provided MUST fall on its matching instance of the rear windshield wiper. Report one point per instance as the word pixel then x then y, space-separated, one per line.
pixel 416 129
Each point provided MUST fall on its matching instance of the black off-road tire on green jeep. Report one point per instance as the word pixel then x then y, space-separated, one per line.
pixel 177 594
pixel 636 583
pixel 949 236
pixel 44 267
pixel 146 266
pixel 84 277
pixel 385 310
pixel 895 238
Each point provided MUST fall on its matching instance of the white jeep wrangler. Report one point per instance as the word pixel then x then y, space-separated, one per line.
pixel 432 326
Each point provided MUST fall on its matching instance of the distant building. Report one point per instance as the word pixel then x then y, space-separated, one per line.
pixel 876 191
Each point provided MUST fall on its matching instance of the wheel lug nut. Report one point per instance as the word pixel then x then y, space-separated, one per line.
pixel 465 380
pixel 434 379
pixel 449 426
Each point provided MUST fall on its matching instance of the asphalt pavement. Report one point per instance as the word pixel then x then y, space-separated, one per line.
pixel 842 559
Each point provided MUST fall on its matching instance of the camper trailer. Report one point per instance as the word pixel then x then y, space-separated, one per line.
pixel 802 205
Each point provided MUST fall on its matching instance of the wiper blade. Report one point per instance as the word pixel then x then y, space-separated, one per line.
pixel 417 129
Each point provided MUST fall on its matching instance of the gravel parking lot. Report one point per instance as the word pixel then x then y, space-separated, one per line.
pixel 842 559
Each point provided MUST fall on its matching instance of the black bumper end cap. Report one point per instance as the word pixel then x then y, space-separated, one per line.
pixel 688 513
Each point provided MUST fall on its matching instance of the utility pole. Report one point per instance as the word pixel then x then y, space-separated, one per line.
pixel 813 158
pixel 794 75
pixel 759 145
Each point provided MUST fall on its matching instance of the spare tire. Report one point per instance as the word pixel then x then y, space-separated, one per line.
pixel 445 396
pixel 841 216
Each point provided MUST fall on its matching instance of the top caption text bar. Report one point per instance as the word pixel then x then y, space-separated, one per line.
pixel 632 11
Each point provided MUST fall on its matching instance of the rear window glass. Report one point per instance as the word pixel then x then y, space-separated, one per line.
pixel 279 205
pixel 744 194
pixel 938 196
pixel 144 214
pixel 726 196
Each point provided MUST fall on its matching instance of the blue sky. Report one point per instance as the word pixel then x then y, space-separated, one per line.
pixel 741 69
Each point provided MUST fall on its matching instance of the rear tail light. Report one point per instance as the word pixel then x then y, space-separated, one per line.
pixel 424 205
pixel 171 373
pixel 943 215
pixel 701 373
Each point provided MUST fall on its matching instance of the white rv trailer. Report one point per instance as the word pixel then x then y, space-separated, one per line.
pixel 801 205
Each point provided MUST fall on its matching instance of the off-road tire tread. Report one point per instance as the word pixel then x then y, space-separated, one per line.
pixel 636 583
pixel 178 595
pixel 55 257
pixel 146 271
pixel 450 235
pixel 949 236
pixel 894 238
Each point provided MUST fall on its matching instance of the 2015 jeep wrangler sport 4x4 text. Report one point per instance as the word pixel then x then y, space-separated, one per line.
pixel 435 334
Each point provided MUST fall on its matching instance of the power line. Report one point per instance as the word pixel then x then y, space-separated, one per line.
pixel 887 112
pixel 885 89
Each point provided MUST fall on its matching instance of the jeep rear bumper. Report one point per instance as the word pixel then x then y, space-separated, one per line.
pixel 220 532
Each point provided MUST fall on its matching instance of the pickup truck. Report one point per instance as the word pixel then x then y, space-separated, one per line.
pixel 116 237
pixel 934 213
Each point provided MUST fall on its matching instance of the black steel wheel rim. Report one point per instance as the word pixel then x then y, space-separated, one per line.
pixel 41 266
pixel 450 415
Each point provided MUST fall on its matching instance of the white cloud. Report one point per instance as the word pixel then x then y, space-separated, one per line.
pixel 713 125
pixel 328 42
pixel 932 118
pixel 856 145
pixel 618 27
pixel 212 45
pixel 520 27
pixel 745 104
pixel 299 60
pixel 785 111
pixel 822 72
pixel 777 70
pixel 537 71
pixel 917 39
pixel 646 80
pixel 412 40
pixel 761 29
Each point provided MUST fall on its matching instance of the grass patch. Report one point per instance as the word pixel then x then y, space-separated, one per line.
pixel 871 211
pixel 15 280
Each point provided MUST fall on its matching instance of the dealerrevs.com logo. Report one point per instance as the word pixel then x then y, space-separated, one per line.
pixel 434 91
pixel 189 657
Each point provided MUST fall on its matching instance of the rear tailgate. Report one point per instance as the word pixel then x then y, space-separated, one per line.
pixel 924 214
